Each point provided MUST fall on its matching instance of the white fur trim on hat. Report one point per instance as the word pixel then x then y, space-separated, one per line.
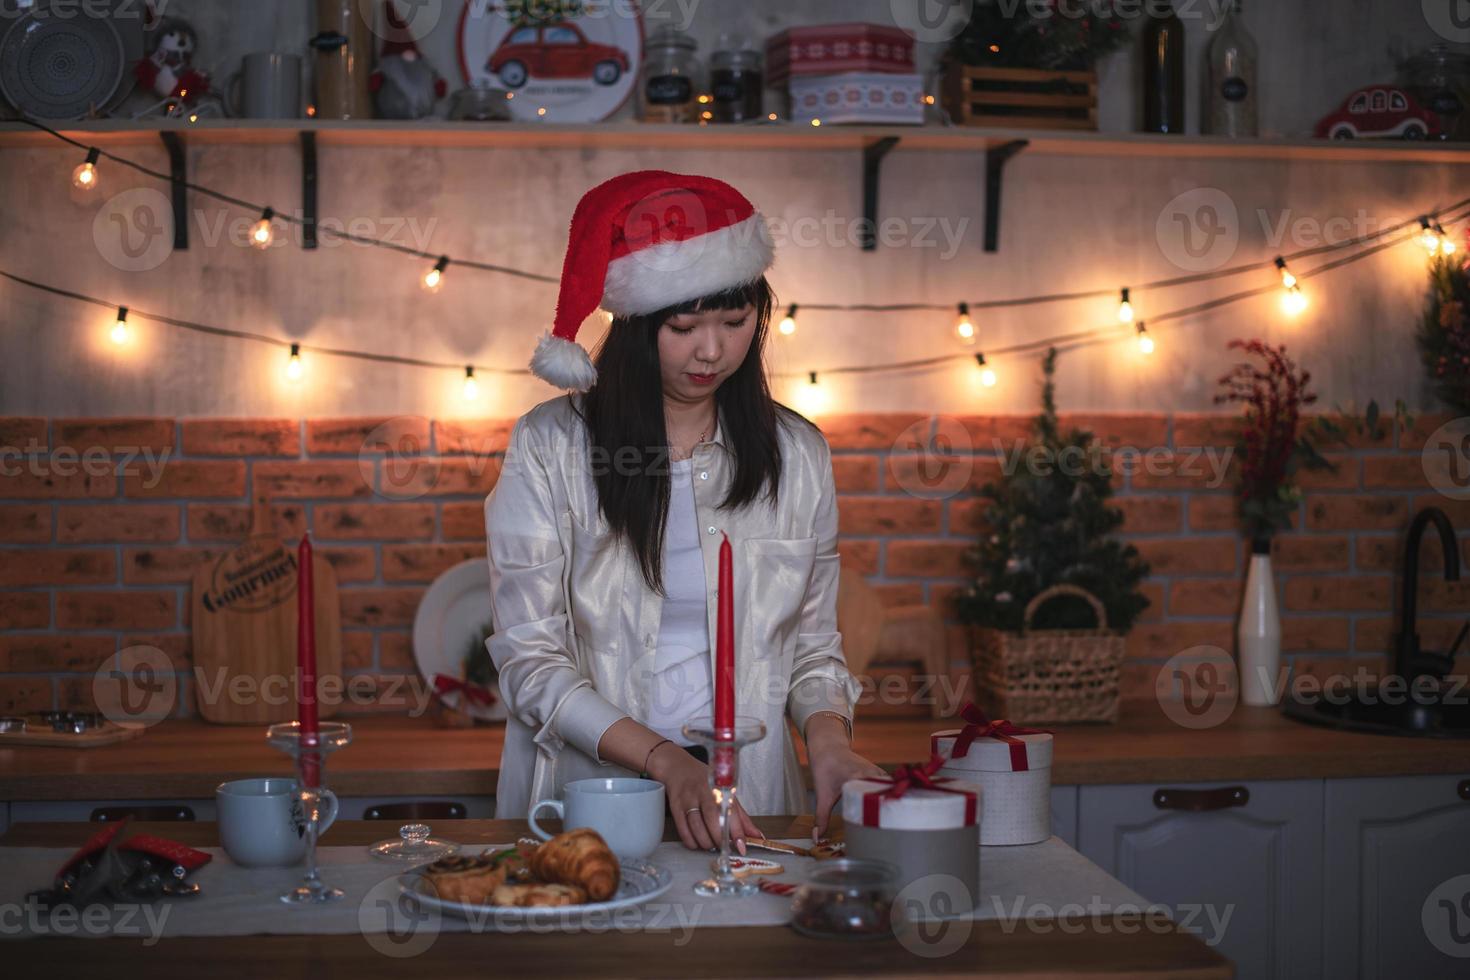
pixel 563 363
pixel 664 275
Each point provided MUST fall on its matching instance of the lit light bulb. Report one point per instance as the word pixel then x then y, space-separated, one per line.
pixel 1125 309
pixel 1287 279
pixel 1294 303
pixel 85 176
pixel 987 375
pixel 1446 243
pixel 1145 342
pixel 293 364
pixel 121 332
pixel 471 387
pixel 434 278
pixel 788 322
pixel 1428 237
pixel 816 122
pixel 811 398
pixel 964 327
pixel 261 234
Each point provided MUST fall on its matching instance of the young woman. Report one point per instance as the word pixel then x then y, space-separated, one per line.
pixel 605 525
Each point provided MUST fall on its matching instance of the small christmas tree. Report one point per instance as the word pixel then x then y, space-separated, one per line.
pixel 1049 523
pixel 537 13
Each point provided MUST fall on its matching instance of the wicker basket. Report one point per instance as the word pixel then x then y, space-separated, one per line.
pixel 1055 676
pixel 1021 98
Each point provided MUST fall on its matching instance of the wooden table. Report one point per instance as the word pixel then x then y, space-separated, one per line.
pixel 1093 950
pixel 404 756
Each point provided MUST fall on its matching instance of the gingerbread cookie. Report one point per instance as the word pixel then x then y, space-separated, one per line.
pixel 743 866
pixel 829 849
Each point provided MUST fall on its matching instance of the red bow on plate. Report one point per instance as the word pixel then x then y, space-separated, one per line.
pixel 907 777
pixel 978 726
pixel 482 696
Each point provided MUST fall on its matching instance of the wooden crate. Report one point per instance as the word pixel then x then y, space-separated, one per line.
pixel 1021 98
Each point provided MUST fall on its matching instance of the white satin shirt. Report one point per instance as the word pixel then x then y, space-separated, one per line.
pixel 576 627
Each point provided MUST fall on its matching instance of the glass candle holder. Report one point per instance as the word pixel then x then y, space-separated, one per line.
pixel 724 745
pixel 310 754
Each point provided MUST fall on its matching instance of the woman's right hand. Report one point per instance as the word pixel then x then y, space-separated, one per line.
pixel 692 802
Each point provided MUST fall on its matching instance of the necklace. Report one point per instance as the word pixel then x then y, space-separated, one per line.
pixel 675 455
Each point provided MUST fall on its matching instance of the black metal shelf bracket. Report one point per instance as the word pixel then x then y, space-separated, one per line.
pixel 996 159
pixel 308 189
pixel 178 181
pixel 873 155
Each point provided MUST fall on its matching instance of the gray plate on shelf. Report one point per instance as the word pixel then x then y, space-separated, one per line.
pixel 65 68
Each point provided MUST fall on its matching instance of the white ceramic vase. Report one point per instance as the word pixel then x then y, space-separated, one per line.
pixel 1258 634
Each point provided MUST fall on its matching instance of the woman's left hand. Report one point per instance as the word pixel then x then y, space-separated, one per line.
pixel 833 763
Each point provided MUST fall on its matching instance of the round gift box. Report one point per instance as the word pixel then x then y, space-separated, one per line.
pixel 1015 804
pixel 924 834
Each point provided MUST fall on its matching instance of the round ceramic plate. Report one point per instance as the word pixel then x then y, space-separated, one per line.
pixel 61 68
pixel 450 618
pixel 640 882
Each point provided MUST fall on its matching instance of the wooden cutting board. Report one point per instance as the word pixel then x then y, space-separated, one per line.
pixel 244 622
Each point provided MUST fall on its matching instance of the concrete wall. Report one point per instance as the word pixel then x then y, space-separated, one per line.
pixel 1071 223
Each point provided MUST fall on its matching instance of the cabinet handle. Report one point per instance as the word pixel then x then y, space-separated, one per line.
pixel 1464 789
pixel 1198 800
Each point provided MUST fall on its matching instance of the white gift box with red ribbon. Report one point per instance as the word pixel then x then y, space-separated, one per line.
pixel 1014 773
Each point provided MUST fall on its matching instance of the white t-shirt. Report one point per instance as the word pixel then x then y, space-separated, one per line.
pixel 683 685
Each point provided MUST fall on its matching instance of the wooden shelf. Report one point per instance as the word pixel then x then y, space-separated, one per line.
pixel 762 136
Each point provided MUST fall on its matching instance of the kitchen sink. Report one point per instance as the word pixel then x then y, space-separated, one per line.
pixel 1445 715
pixel 1426 702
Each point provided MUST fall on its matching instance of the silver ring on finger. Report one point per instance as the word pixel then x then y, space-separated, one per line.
pixel 692 809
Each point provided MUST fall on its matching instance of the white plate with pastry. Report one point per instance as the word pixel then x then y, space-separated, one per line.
pixel 569 879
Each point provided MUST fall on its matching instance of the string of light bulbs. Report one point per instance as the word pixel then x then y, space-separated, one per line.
pixel 1290 284
pixel 1428 230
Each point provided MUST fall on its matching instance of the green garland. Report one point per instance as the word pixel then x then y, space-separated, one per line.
pixel 1444 335
pixel 1005 34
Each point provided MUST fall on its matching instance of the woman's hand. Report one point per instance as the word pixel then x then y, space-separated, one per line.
pixel 833 762
pixel 692 802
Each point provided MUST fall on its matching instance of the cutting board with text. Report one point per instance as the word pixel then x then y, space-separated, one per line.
pixel 244 622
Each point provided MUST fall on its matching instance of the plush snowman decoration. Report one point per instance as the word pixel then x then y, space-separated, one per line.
pixel 404 85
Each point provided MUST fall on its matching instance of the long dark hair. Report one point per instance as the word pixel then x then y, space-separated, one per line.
pixel 624 413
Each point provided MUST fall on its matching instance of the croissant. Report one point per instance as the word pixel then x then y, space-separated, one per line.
pixel 578 857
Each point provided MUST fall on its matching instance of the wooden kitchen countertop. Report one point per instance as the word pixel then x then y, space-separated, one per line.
pixel 401 756
pixel 1101 948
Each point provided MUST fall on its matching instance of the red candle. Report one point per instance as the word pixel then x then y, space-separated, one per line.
pixel 725 642
pixel 724 756
pixel 306 707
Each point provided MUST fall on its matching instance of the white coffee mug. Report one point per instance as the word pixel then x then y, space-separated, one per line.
pixel 628 813
pixel 261 821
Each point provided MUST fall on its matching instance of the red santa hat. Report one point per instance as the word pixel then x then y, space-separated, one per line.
pixel 643 242
pixel 397 38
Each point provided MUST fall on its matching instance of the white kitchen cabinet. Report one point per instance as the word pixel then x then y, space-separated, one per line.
pixel 1240 864
pixel 1397 895
pixel 1064 814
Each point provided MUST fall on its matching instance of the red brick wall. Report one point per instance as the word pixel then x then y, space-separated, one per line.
pixel 93 559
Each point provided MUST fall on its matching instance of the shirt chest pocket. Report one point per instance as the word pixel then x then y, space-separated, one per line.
pixel 778 572
pixel 594 586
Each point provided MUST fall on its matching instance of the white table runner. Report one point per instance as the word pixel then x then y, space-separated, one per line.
pixel 1045 880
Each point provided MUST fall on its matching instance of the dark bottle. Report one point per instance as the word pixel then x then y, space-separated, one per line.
pixel 1163 74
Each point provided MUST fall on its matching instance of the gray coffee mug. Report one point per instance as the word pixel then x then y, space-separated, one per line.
pixel 628 813
pixel 269 87
pixel 261 823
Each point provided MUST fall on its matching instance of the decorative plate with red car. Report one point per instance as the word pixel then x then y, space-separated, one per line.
pixel 1383 111
pixel 576 66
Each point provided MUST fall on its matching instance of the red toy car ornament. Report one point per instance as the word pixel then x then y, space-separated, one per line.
pixel 557 50
pixel 1380 111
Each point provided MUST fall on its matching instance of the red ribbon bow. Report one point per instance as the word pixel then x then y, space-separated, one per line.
pixel 981 727
pixel 913 776
pixel 482 696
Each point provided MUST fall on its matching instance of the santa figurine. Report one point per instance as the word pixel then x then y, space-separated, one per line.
pixel 404 85
pixel 169 70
